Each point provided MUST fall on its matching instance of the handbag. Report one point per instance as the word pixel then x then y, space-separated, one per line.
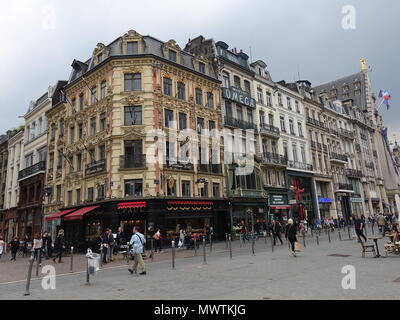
pixel 297 247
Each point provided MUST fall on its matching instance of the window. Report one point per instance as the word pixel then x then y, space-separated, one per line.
pixel 289 103
pixel 100 58
pixel 199 96
pixel 72 135
pixel 181 91
pixel 90 194
pixel 200 125
pixel 169 118
pixel 260 96
pixel 132 47
pixel 102 152
pixel 291 126
pixel 250 116
pixel 262 119
pixel 100 192
pixel 285 150
pixel 202 67
pixel 51 160
pixel 211 128
pixel 93 126
pixel 133 188
pixel 58 193
pixel 93 95
pixel 103 90
pixel 78 196
pixel 303 154
pixel 210 100
pixel 294 149
pixel 300 129
pixel 73 103
pixel 133 153
pixel 53 132
pixel 280 99
pixel 268 100
pixel 236 81
pixel 228 109
pixel 247 86
pixel 81 101
pixel 59 160
pixel 172 55
pixel 133 82
pixel 171 191
pixel 225 79
pixel 186 189
pixel 80 131
pixel 239 112
pixel 216 190
pixel 271 119
pixel 133 115
pixel 204 190
pixel 62 128
pixel 283 127
pixel 79 162
pixel 182 121
pixel 297 105
pixel 103 121
pixel 167 86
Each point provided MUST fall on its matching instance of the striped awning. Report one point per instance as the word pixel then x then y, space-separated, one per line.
pixel 57 215
pixel 129 205
pixel 78 215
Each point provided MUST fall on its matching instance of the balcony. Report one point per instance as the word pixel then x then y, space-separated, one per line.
pixel 325 147
pixel 96 167
pixel 313 144
pixel 338 157
pixel 344 187
pixel 274 159
pixel 39 167
pixel 209 168
pixel 174 164
pixel 270 131
pixel 136 161
pixel 319 145
pixel 316 123
pixel 246 193
pixel 236 123
pixel 334 132
pixel 347 134
pixel 351 173
pixel 369 165
pixel 300 166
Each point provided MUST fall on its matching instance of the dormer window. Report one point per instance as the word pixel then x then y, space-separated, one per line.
pixel 132 47
pixel 236 81
pixel 172 55
pixel 226 81
pixel 202 67
pixel 100 58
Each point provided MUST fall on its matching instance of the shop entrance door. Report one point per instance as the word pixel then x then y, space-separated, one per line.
pixel 128 227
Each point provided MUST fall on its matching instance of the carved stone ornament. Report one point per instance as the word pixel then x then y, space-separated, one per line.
pixel 173 45
pixel 132 100
pixel 131 34
pixel 133 132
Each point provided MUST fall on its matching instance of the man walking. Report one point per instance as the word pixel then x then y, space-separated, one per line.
pixel 138 241
pixel 276 231
pixel 381 221
pixel 359 228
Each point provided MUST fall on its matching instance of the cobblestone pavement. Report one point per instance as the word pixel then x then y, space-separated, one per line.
pixel 314 274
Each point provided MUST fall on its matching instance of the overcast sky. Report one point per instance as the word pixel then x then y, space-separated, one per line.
pixel 39 39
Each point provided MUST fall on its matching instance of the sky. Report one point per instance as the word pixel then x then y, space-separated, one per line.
pixel 318 40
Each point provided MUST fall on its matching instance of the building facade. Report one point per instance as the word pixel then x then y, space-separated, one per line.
pixel 3 175
pixel 134 117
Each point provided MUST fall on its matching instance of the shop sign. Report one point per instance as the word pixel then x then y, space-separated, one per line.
pixel 356 200
pixel 324 200
pixel 292 201
pixel 239 96
pixel 277 199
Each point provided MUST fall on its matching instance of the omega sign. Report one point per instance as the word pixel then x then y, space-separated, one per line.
pixel 238 96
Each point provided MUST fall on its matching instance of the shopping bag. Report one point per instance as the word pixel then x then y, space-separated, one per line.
pixel 297 247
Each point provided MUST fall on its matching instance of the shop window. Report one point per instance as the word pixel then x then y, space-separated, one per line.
pixel 133 188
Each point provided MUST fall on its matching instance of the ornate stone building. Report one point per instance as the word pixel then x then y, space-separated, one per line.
pixel 126 139
pixel 3 175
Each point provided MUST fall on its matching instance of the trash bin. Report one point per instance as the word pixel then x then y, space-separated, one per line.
pixel 93 262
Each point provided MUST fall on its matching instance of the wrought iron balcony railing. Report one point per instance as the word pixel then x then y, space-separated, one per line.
pixel 32 170
pixel 274 159
pixel 300 165
pixel 337 156
pixel 237 123
pixel 270 130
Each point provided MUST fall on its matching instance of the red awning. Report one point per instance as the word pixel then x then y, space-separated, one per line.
pixel 193 203
pixel 280 207
pixel 77 215
pixel 128 205
pixel 57 215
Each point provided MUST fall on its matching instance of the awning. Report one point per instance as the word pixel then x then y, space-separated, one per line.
pixel 57 215
pixel 78 215
pixel 280 207
pixel 128 205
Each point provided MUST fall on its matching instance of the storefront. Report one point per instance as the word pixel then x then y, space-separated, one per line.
pixel 325 205
pixel 10 224
pixel 343 205
pixel 278 208
pixel 357 205
pixel 249 211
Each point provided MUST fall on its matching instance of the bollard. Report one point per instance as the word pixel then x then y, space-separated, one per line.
pixel 195 247
pixel 240 239
pixel 265 239
pixel 28 280
pixel 252 245
pixel 127 253
pixel 373 229
pixel 37 262
pixel 366 233
pixel 348 229
pixel 272 242
pixel 72 260
pixel 204 251
pixel 230 247
pixel 173 254
pixel 329 236
pixel 210 243
pixel 87 270
pixel 304 239
pixel 312 233
pixel 317 240
pixel 101 255
pixel 152 249
pixel 340 236
pixel 226 240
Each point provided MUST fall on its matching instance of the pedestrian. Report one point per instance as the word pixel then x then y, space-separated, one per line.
pixel 59 245
pixel 381 222
pixel 49 245
pixel 157 241
pixel 138 241
pixel 359 225
pixel 291 235
pixel 14 247
pixel 182 237
pixel 25 244
pixel 105 240
pixel 2 246
pixel 37 248
pixel 276 231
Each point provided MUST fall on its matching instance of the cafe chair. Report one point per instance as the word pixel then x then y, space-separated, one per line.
pixel 368 248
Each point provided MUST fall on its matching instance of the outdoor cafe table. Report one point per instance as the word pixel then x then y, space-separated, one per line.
pixel 375 239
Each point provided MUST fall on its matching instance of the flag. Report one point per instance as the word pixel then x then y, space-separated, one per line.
pixel 384 94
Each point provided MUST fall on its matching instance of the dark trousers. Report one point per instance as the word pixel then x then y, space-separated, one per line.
pixel 292 241
pixel 360 235
pixel 157 245
pixel 277 235
pixel 38 255
pixel 105 254
pixel 59 254
pixel 14 255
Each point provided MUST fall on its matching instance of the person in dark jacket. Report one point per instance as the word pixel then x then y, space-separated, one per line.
pixel 291 235
pixel 106 240
pixel 14 247
pixel 276 231
pixel 359 225
pixel 60 245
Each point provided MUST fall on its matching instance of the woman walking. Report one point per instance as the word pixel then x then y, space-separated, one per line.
pixel 37 248
pixel 291 235
pixel 157 241
pixel 60 245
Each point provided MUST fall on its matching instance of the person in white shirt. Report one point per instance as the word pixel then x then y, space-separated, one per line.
pixel 2 246
pixel 37 247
